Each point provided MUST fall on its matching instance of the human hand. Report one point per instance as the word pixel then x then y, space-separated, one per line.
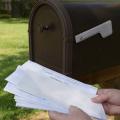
pixel 110 98
pixel 74 114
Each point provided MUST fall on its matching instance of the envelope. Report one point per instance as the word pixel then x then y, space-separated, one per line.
pixel 42 82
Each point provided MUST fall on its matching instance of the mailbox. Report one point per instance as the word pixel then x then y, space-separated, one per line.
pixel 75 37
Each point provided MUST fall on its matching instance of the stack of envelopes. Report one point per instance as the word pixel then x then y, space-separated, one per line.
pixel 38 87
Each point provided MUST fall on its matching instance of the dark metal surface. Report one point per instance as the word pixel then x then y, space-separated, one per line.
pixel 95 53
pixel 52 42
pixel 50 36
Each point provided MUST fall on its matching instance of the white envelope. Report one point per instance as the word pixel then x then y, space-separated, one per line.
pixel 42 82
pixel 48 72
pixel 23 97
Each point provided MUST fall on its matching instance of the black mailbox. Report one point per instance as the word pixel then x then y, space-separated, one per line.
pixel 52 29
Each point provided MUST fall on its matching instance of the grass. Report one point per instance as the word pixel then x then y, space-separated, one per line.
pixel 13 51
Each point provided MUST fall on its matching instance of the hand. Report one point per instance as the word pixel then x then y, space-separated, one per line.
pixel 110 98
pixel 74 114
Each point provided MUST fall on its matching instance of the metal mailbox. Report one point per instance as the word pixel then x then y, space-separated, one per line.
pixel 55 25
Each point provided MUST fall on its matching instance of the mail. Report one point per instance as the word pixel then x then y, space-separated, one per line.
pixel 38 87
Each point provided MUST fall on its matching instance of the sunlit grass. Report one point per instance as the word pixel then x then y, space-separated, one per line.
pixel 13 51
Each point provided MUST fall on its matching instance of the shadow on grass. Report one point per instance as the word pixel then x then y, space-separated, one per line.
pixel 8 109
pixel 8 64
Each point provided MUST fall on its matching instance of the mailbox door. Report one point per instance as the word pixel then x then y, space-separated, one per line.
pixel 50 42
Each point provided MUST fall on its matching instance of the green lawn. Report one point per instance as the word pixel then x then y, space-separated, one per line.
pixel 13 51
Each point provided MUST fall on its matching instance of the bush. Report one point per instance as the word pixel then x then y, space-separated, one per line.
pixel 22 8
pixel 0 4
pixel 2 11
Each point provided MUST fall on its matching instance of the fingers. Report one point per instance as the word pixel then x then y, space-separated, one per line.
pixel 57 116
pixel 115 110
pixel 112 109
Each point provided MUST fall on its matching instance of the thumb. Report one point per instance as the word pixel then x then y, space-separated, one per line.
pixel 78 114
pixel 100 98
pixel 57 116
pixel 75 110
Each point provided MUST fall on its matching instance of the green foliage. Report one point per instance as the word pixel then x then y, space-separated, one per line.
pixel 22 8
pixel 0 4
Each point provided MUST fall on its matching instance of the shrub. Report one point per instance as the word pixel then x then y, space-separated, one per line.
pixel 22 8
